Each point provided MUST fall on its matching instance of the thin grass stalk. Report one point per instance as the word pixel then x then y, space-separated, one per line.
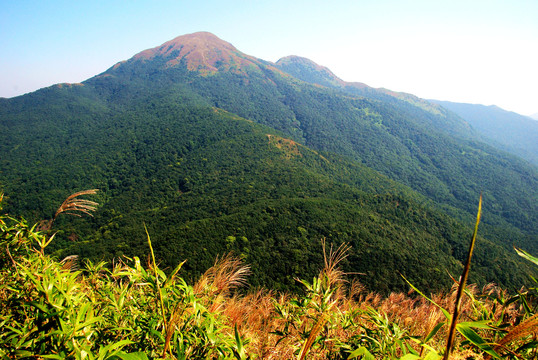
pixel 461 287
pixel 158 285
pixel 169 329
pixel 175 315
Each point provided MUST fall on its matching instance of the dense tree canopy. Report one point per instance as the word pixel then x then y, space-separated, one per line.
pixel 263 165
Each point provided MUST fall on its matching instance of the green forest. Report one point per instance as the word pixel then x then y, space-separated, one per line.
pixel 252 160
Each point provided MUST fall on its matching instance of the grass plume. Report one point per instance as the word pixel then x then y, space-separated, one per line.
pixel 226 274
pixel 73 205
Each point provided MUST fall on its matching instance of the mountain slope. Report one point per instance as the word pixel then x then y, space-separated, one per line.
pixel 442 144
pixel 159 135
pixel 513 132
pixel 206 182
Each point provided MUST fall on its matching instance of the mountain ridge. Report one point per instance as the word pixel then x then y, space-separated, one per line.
pixel 519 137
pixel 322 75
pixel 309 71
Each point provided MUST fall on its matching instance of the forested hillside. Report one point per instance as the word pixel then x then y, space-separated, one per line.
pixel 455 156
pixel 225 152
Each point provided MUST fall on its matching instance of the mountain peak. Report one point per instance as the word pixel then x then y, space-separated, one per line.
pixel 294 59
pixel 311 72
pixel 307 70
pixel 200 51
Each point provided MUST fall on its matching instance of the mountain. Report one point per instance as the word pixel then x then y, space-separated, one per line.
pixel 206 182
pixel 215 150
pixel 512 132
pixel 534 116
pixel 310 72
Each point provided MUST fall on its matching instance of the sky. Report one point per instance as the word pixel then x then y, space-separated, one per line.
pixel 472 51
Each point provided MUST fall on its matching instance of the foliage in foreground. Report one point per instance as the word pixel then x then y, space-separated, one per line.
pixel 54 309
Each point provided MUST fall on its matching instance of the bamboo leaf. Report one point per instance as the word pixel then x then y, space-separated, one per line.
pixel 410 357
pixel 239 344
pixel 129 356
pixel 363 353
pixel 173 274
pixel 432 355
pixel 445 312
pixel 476 340
pixel 527 256
pixel 482 324
pixel 433 332
pixel 104 353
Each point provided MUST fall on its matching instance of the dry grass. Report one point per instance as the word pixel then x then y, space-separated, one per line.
pixel 529 327
pixel 71 206
pixel 226 274
pixel 256 316
pixel 278 328
pixel 73 203
pixel 218 282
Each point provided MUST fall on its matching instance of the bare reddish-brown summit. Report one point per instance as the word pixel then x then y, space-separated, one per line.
pixel 200 51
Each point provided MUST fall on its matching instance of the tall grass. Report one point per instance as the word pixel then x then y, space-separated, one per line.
pixel 127 310
pixel 461 285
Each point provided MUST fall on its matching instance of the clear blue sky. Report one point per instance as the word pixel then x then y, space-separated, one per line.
pixel 467 51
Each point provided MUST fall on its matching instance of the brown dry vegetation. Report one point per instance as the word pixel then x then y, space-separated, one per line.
pixel 288 146
pixel 340 312
pixel 259 321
